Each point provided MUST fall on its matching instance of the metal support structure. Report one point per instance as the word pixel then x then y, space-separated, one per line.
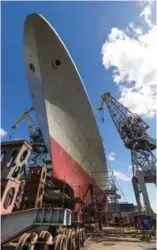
pixel 39 155
pixel 108 194
pixel 137 192
pixel 29 219
pixel 143 159
pixel 16 223
pixel 133 131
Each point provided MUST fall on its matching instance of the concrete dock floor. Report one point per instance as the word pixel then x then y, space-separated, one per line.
pixel 119 245
pixel 113 245
pixel 111 239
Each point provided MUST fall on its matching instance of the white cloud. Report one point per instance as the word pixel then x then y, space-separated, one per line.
pixel 132 54
pixel 134 30
pixel 144 3
pixel 111 157
pixel 146 14
pixel 121 176
pixel 3 133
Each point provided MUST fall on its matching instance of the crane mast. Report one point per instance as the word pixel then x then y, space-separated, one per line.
pixel 39 155
pixel 133 131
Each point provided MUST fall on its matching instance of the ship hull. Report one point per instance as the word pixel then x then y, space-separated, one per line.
pixel 63 109
pixel 70 171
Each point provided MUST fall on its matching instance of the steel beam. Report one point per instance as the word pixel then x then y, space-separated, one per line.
pixel 141 180
pixel 16 223
pixel 137 192
pixel 139 185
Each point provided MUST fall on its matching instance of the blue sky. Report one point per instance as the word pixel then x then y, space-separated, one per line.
pixel 84 28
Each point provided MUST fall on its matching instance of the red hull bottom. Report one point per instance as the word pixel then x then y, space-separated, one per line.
pixel 67 169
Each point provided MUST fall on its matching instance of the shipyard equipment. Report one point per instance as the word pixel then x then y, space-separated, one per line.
pixel 32 214
pixel 39 155
pixel 133 131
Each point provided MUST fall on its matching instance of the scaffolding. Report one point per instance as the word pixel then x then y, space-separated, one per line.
pixel 105 196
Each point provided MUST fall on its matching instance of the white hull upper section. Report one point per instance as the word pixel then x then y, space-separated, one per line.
pixel 59 98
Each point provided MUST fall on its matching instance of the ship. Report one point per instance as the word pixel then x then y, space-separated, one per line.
pixel 62 106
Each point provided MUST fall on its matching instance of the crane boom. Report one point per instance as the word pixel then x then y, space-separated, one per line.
pixel 24 115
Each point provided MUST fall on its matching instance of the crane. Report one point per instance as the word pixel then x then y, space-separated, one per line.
pixel 24 115
pixel 133 131
pixel 39 155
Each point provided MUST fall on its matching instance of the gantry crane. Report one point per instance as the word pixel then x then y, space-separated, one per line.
pixel 133 131
pixel 39 155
